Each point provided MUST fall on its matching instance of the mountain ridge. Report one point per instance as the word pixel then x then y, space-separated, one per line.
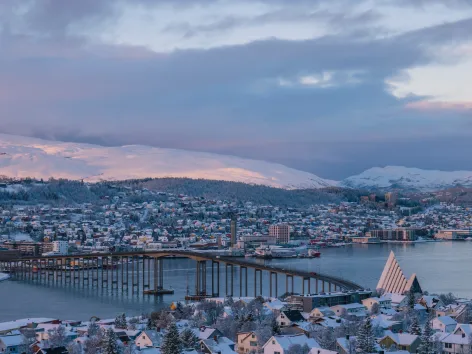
pixel 22 157
pixel 408 178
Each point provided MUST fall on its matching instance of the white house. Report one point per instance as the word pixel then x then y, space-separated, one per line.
pixel 281 344
pixel 454 343
pixel 463 328
pixel 397 300
pixel 444 324
pixel 382 302
pixel 148 339
pixel 358 310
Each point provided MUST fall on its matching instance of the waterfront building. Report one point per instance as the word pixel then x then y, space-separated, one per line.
pixel 307 303
pixel 398 234
pixel 393 280
pixel 60 247
pixel 280 232
pixel 454 235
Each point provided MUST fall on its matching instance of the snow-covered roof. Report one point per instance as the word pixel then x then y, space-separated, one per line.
pixel 222 345
pixel 401 338
pixel 12 341
pixel 285 341
pixel 453 338
pixel 446 320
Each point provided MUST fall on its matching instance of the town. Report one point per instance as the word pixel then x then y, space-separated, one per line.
pixel 236 228
pixel 396 317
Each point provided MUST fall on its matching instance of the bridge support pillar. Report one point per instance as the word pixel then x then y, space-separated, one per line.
pixel 287 276
pixel 213 292
pixel 229 279
pixel 200 279
pixel 256 271
pixel 308 280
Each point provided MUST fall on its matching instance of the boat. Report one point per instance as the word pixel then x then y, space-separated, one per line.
pixel 263 252
pixel 314 253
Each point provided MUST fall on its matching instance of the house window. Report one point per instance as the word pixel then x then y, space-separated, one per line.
pixel 273 342
pixel 276 352
pixel 253 344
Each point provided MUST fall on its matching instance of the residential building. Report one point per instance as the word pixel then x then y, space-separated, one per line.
pixel 357 310
pixel 247 343
pixel 148 339
pixel 288 317
pixel 217 345
pixel 13 344
pixel 444 324
pixel 382 302
pixel 402 341
pixel 281 232
pixel 398 234
pixel 60 247
pixel 281 344
pixel 454 343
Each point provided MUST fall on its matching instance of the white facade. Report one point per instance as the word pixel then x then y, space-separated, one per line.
pixel 60 247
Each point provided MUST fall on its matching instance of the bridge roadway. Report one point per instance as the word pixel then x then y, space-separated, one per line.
pixel 204 256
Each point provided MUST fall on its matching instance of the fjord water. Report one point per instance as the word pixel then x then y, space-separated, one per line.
pixel 441 267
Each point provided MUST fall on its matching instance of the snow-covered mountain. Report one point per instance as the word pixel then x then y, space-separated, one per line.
pixel 408 178
pixel 29 157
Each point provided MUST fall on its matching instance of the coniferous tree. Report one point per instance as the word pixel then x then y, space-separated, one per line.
pixel 189 339
pixel 109 343
pixel 411 300
pixel 365 337
pixel 172 343
pixel 426 346
pixel 415 326
pixel 120 321
pixel 93 328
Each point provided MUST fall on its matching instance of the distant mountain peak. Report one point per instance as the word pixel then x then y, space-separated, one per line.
pixel 22 157
pixel 409 178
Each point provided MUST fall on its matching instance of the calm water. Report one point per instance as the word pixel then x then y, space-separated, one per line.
pixel 441 267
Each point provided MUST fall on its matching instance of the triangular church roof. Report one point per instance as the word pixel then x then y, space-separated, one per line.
pixel 393 280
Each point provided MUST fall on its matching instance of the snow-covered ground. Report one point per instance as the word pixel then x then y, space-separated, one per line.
pixel 4 276
pixel 410 178
pixel 30 157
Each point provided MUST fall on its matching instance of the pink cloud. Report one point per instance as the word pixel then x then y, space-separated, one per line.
pixel 438 105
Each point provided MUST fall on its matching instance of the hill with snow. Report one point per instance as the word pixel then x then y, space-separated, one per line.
pixel 22 157
pixel 408 179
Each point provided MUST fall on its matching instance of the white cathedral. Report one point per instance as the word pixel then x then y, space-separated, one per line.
pixel 393 280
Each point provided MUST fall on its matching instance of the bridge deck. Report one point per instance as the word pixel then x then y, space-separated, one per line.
pixel 202 256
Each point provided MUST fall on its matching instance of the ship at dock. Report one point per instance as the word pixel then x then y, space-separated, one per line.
pixel 270 252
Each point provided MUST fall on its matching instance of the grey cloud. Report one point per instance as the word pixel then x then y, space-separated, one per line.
pixel 225 99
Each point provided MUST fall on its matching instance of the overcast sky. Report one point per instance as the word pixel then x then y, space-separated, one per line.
pixel 328 86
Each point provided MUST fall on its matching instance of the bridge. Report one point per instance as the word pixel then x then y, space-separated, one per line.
pixel 143 271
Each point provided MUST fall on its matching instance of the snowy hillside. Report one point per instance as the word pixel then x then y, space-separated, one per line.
pixel 408 178
pixel 28 157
